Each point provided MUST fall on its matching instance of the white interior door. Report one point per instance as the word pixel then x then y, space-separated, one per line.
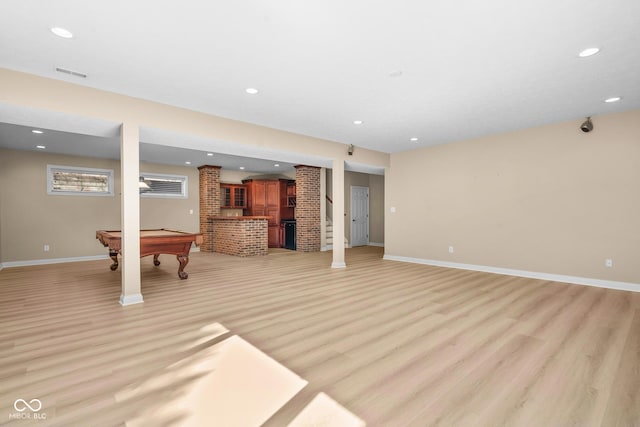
pixel 359 216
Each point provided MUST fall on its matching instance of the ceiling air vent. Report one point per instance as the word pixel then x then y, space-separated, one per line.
pixel 73 73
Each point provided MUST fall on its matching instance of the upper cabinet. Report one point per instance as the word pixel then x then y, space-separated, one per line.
pixel 291 194
pixel 233 196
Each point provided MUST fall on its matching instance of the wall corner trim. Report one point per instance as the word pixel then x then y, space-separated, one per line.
pixel 586 281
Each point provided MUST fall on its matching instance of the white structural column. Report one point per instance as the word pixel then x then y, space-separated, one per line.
pixel 338 213
pixel 323 209
pixel 130 213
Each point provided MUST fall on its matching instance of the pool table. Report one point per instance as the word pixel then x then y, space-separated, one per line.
pixel 154 242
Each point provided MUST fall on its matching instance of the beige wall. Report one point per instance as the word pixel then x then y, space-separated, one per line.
pixel 172 213
pixel 551 199
pixel 30 218
pixel 376 209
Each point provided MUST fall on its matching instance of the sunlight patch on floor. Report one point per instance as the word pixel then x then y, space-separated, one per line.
pixel 325 412
pixel 229 384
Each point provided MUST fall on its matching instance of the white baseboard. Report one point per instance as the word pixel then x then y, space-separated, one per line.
pixel 338 265
pixel 52 261
pixel 59 260
pixel 381 245
pixel 30 262
pixel 609 284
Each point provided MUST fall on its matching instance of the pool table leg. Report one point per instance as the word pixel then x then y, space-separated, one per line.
pixel 183 260
pixel 114 257
pixel 156 261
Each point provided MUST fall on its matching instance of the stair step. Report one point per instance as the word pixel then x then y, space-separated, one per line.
pixel 329 234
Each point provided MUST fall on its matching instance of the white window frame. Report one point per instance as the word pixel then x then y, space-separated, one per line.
pixel 51 169
pixel 184 180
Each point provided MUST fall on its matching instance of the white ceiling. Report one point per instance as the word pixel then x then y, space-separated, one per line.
pixel 440 70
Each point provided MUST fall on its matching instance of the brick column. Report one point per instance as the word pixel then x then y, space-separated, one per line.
pixel 209 203
pixel 307 208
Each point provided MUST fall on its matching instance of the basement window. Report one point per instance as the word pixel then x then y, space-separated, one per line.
pixel 163 185
pixel 76 181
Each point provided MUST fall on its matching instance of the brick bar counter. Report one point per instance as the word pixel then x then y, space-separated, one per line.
pixel 240 235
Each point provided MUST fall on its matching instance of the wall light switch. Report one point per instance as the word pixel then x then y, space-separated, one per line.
pixel 190 211
pixel 392 209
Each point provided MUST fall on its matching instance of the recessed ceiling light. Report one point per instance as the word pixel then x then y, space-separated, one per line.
pixel 414 139
pixel 277 165
pixel 62 32
pixel 358 122
pixel 589 52
pixel 251 90
pixel 613 99
pixel 395 73
pixel 209 154
pixel 187 163
pixel 241 168
pixel 37 131
pixel 41 147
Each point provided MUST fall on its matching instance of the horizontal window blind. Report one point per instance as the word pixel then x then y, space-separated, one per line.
pixel 161 185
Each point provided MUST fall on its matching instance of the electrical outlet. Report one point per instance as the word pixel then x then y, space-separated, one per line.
pixel 608 262
pixel 46 248
pixel 450 249
pixel 190 211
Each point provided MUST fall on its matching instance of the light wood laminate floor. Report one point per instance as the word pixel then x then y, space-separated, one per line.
pixel 397 344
